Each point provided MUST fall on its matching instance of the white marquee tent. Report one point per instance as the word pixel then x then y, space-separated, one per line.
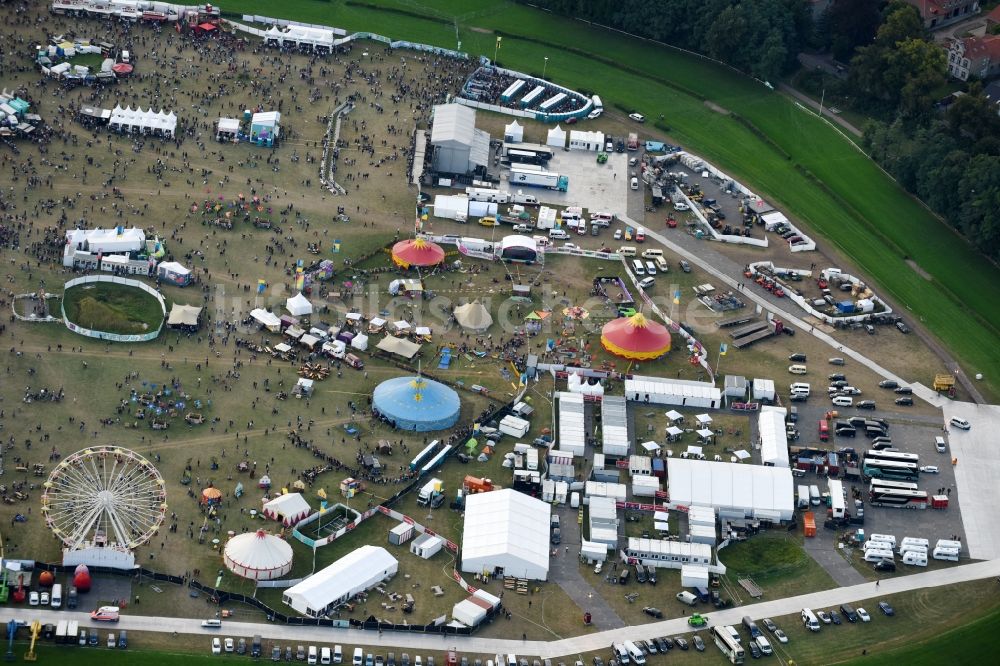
pixel 773 438
pixel 734 489
pixel 355 572
pixel 287 509
pixel 556 137
pixel 298 305
pixel 513 133
pixel 509 530
pixel 145 122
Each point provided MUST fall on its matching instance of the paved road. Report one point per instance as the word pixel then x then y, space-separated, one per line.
pixel 564 571
pixel 284 634
pixel 813 104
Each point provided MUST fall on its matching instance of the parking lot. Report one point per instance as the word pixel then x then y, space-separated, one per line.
pixel 596 187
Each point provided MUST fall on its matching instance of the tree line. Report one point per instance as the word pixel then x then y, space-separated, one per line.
pixel 943 148
pixel 761 38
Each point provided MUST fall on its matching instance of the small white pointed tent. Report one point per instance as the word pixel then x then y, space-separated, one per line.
pixel 473 316
pixel 287 509
pixel 557 137
pixel 298 305
pixel 513 133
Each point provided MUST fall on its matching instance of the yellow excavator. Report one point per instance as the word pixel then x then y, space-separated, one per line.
pixel 36 630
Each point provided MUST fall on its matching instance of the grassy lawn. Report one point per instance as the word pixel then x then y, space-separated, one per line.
pixel 769 143
pixel 777 563
pixel 112 308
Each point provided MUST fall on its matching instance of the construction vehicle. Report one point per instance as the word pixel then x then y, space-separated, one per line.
pixel 944 383
pixel 36 628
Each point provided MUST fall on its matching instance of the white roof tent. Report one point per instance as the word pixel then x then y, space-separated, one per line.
pixel 668 554
pixel 355 572
pixel 572 428
pixel 458 146
pixel 298 305
pixel 681 392
pixel 508 530
pixel 614 426
pixel 750 491
pixel 302 36
pixel 773 439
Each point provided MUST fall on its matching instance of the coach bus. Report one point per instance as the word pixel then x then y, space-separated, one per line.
pixel 893 470
pixel 892 485
pixel 898 498
pixel 723 637
pixel 893 455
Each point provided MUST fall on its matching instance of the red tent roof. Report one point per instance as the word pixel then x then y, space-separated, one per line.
pixel 122 68
pixel 207 27
pixel 417 253
pixel 636 338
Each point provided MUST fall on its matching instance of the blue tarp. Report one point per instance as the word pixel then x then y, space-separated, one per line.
pixel 656 147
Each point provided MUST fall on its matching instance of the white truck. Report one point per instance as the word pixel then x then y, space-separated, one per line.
pixel 430 490
pixel 484 194
pixel 837 505
pixel 548 179
pixel 803 497
pixel 520 197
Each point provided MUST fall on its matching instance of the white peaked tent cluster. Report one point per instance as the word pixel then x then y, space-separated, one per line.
pixel 473 317
pixel 298 305
pixel 137 121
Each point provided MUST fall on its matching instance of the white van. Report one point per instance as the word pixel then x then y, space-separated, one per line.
pixel 638 268
pixel 687 598
pixel 627 250
pixel 324 655
pixel 634 653
pixel 602 219
pixel 647 282
pixel 883 537
pixel 814 496
pixel 797 369
pixel 338 654
pixel 311 657
pixel 574 500
pixel 652 253
pixel 620 653
pixel 661 264
pixel 799 387
pixel 842 401
pixel 651 268
pixel 915 559
pixel 511 659
pixel 803 497
pixel 558 234
pixel 359 657
pixel 809 620
pixel 634 183
pixel 879 554
pixel 56 600
pixel 940 445
pixel 949 554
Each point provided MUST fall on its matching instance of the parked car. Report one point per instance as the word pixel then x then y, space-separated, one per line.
pixel 797 357
pixel 669 642
pixel 229 645
pixel 637 117
pixel 886 608
pixel 837 377
pixel 903 390
pixel 216 645
pixel 865 404
pixel 824 617
pixel 685 266
pixel 769 624
pixel 887 566
pixel 780 635
pixel 681 642
pixel 699 644
pixel 661 645
pixel 863 614
pixel 905 401
pixel 960 423
pixel 653 612
pixel 929 469
pixel 754 650
pixel 836 361
pixel 888 384
pixel 835 616
pixel 902 328
pixel 33 598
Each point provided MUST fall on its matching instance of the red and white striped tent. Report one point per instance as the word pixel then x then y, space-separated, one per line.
pixel 258 556
pixel 288 509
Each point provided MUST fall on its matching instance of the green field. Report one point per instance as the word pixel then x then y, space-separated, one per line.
pixel 112 308
pixel 791 156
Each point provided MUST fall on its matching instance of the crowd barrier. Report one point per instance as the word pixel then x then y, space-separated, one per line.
pixel 113 337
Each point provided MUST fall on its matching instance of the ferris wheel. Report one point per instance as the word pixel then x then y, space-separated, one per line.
pixel 104 495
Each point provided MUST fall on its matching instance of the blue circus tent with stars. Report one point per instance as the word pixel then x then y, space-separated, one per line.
pixel 417 403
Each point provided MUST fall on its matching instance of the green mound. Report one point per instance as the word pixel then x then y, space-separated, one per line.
pixel 112 308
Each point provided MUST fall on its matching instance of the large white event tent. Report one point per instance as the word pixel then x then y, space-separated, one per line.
pixel 138 121
pixel 298 305
pixel 508 530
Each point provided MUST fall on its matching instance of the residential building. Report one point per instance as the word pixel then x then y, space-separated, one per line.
pixel 939 13
pixel 974 57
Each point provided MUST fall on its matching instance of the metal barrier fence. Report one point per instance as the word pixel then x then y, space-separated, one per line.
pixel 104 335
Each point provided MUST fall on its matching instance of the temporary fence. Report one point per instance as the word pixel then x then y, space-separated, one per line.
pixel 104 335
